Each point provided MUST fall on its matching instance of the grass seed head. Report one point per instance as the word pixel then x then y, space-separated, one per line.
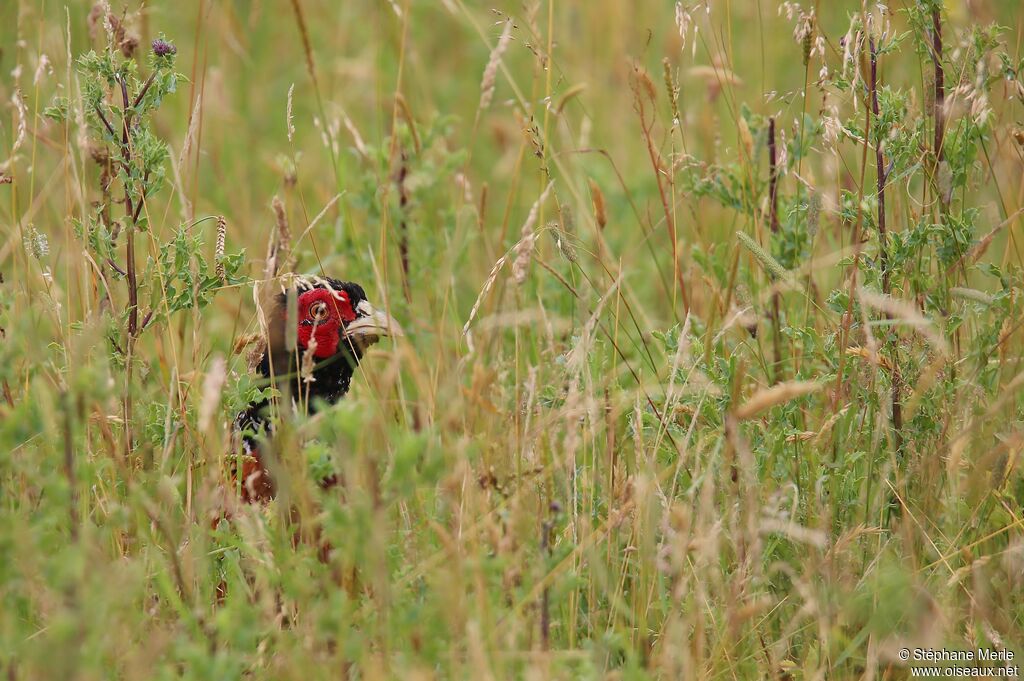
pixel 766 398
pixel 770 264
pixel 597 197
pixel 489 81
pixel 213 386
pixel 218 256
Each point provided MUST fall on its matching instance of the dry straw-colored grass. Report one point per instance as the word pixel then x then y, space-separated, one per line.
pixel 703 432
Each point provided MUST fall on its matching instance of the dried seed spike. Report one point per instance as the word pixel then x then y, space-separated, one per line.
pixel 491 278
pixel 213 386
pixel 524 248
pixel 357 139
pixel 279 250
pixel 944 180
pixel 770 264
pixel 489 81
pixel 284 234
pixel 18 100
pixel 600 216
pixel 746 138
pixel 672 89
pixel 309 361
pixel 568 221
pixel 813 213
pixel 781 393
pixel 562 241
pixel 565 233
pixel 971 294
pixel 645 83
pixel 218 254
pixel 289 119
pixel 906 312
pixel 244 341
pixel 291 340
pixel 567 96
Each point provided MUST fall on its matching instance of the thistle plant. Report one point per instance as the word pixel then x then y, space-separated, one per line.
pixel 119 103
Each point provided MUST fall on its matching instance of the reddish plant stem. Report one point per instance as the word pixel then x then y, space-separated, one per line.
pixel 545 598
pixel 130 267
pixel 880 172
pixel 940 85
pixel 773 220
pixel 773 188
pixel 69 466
pixel 133 284
pixel 897 410
pixel 857 247
pixel 403 228
pixel 144 89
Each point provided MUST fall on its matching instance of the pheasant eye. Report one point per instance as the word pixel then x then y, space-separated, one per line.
pixel 318 311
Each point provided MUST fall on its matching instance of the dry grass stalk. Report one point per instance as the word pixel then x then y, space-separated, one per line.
pixel 570 94
pixel 405 110
pixel 925 382
pixel 672 90
pixel 357 139
pixel 645 105
pixel 43 68
pixel 244 341
pixel 869 354
pixel 766 398
pixel 309 359
pixel 979 248
pixel 746 138
pixel 524 248
pixel 193 130
pixel 284 233
pixel 307 49
pixel 488 284
pixel 564 232
pixel 22 129
pixel 798 533
pixel 741 315
pixel 213 386
pixel 576 358
pixel 279 247
pixel 289 119
pixel 971 294
pixel 715 77
pixel 907 313
pixel 489 81
pixel 600 215
pixel 99 17
pixel 118 36
pixel 254 357
pixel 316 220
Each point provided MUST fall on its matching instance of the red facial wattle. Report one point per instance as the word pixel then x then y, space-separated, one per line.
pixel 322 313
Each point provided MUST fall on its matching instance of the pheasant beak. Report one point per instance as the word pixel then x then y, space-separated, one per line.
pixel 370 326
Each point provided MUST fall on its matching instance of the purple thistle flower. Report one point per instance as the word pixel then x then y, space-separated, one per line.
pixel 162 48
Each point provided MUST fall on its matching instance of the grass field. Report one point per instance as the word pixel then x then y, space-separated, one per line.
pixel 712 365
